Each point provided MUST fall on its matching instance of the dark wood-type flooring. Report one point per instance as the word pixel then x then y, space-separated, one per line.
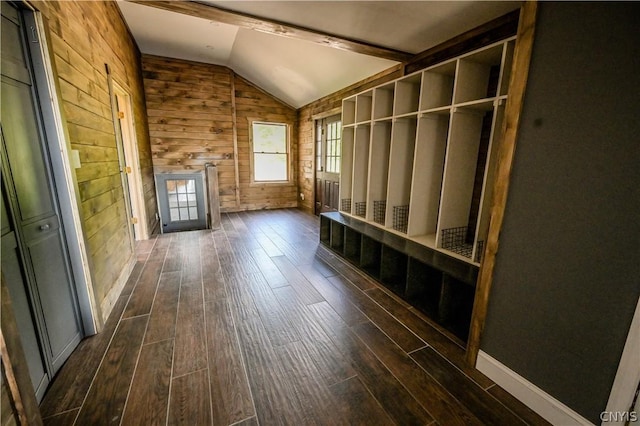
pixel 257 323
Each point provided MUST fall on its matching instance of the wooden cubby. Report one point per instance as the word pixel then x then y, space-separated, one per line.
pixel 336 241
pixel 407 95
pixel 352 245
pixel 370 256
pixel 378 167
pixel 403 137
pixel 437 87
pixel 424 285
pixel 419 156
pixel 439 286
pixel 473 75
pixel 364 103
pixel 346 168
pixel 431 143
pixel 360 170
pixel 348 111
pixel 429 166
pixel 393 269
pixel 383 101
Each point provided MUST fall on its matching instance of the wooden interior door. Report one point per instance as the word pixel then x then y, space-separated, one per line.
pixel 328 149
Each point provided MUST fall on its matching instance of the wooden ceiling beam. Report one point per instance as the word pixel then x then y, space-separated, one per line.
pixel 217 14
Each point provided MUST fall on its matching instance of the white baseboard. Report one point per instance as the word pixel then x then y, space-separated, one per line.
pixel 529 394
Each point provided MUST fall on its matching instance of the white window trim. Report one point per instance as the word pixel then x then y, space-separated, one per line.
pixel 254 182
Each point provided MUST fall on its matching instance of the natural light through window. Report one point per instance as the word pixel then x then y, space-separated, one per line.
pixel 270 152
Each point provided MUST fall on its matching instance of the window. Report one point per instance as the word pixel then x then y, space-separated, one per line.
pixel 270 147
pixel 328 144
pixel 333 147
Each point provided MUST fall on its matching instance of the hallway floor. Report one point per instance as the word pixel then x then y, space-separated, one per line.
pixel 257 323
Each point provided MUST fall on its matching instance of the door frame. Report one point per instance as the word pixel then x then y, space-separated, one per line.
pixel 199 175
pixel 63 170
pixel 130 149
pixel 314 119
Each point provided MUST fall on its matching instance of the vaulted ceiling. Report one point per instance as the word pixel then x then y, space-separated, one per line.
pixel 300 51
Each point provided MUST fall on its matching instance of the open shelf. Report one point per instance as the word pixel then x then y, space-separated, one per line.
pixel 337 237
pixel 346 168
pixel 421 151
pixel 455 306
pixel 379 166
pixel 407 95
pixel 360 169
pixel 370 256
pixel 475 73
pixel 459 172
pixel 349 111
pixel 403 137
pixel 364 102
pixel 437 86
pixel 383 101
pixel 439 286
pixel 424 286
pixel 393 270
pixel 352 245
pixel 486 198
pixel 431 143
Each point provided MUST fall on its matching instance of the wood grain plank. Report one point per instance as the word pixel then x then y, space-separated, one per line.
pixel 298 281
pixel 133 278
pixel 230 393
pixel 400 334
pixel 269 270
pixel 506 149
pixel 212 277
pixel 149 395
pixel 252 421
pixel 349 313
pixel 73 381
pixel 271 393
pixel 190 402
pixel 388 391
pixel 432 396
pixel 344 269
pixel 106 398
pixel 64 419
pixel 331 365
pixel 304 382
pixel 529 416
pixel 430 334
pixel 356 405
pixel 173 262
pixel 479 402
pixel 190 352
pixel 275 318
pixel 143 293
pixel 162 321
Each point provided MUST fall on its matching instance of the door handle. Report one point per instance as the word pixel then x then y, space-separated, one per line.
pixel 44 227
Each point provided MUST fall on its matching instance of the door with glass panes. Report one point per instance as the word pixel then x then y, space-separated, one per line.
pixel 181 199
pixel 328 145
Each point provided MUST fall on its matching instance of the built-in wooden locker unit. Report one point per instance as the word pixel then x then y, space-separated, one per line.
pixel 417 169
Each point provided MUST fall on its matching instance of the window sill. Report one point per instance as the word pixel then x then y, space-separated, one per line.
pixel 272 183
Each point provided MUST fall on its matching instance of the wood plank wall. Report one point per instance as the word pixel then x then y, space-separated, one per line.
pixel 191 123
pixel 306 142
pixel 85 36
pixel 253 103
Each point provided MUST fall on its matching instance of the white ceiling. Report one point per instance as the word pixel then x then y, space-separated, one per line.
pixel 298 71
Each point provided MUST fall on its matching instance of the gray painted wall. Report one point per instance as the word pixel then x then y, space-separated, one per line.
pixel 567 276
